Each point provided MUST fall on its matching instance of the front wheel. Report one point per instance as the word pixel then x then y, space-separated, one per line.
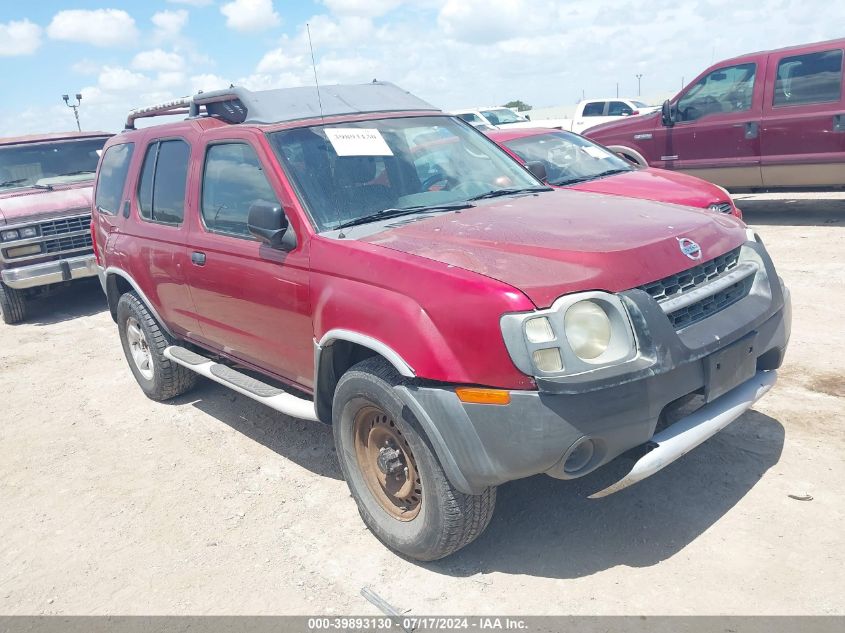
pixel 402 493
pixel 12 305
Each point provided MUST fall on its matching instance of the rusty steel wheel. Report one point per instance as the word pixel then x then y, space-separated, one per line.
pixel 387 463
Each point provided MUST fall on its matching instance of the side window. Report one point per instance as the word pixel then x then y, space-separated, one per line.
pixel 619 108
pixel 725 90
pixel 161 190
pixel 594 108
pixel 112 177
pixel 232 181
pixel 469 117
pixel 811 78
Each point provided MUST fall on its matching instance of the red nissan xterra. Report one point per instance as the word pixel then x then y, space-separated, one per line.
pixel 358 257
pixel 45 215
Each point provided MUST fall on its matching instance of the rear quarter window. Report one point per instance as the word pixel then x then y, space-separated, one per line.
pixel 112 177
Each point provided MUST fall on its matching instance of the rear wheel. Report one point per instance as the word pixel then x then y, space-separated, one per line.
pixel 402 493
pixel 144 342
pixel 12 304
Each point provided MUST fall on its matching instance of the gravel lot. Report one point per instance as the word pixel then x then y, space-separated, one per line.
pixel 213 504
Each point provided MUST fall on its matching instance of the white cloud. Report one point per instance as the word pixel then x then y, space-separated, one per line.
pixel 169 24
pixel 19 38
pixel 119 79
pixel 277 61
pixel 250 15
pixel 364 8
pixel 159 60
pixel 100 27
pixel 193 3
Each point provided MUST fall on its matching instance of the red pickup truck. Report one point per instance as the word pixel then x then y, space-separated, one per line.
pixel 358 257
pixel 768 120
pixel 45 215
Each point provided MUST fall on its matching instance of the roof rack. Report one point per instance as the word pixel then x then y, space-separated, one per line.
pixel 239 105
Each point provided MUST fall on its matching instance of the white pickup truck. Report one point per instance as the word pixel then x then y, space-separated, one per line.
pixel 588 113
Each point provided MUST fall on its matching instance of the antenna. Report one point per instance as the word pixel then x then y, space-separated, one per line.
pixel 314 66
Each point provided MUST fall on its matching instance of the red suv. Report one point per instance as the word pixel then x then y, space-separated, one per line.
pixel 45 215
pixel 358 257
pixel 774 119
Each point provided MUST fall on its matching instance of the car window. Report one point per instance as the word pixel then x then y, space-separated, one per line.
pixel 811 78
pixel 112 177
pixel 233 180
pixel 640 104
pixel 161 191
pixel 724 90
pixel 594 108
pixel 502 116
pixel 619 108
pixel 470 117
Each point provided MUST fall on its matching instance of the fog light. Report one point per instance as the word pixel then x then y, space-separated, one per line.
pixel 587 329
pixel 23 251
pixel 548 360
pixel 539 330
pixel 579 455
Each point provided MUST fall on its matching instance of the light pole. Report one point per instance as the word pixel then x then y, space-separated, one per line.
pixel 75 107
pixel 639 76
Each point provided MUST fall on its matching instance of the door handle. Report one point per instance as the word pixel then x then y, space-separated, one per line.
pixel 839 122
pixel 752 129
pixel 198 258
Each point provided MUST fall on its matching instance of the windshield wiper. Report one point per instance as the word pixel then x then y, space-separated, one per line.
pixel 495 193
pixel 395 213
pixel 572 181
pixel 9 183
pixel 40 186
pixel 77 173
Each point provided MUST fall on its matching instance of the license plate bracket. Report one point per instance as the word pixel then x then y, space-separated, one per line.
pixel 730 367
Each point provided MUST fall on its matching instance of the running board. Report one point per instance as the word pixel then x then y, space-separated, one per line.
pixel 274 397
pixel 687 433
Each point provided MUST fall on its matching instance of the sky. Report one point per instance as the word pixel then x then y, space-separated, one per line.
pixel 453 53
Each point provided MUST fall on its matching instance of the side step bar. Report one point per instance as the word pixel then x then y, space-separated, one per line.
pixel 273 397
pixel 687 433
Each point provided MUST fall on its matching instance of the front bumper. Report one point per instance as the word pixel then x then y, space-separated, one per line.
pixel 486 445
pixel 48 273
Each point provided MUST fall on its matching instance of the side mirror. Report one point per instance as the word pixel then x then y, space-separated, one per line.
pixel 268 223
pixel 537 168
pixel 667 114
pixel 527 118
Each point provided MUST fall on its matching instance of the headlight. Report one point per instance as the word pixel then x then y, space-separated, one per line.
pixel 579 333
pixel 587 328
pixel 29 231
pixel 8 236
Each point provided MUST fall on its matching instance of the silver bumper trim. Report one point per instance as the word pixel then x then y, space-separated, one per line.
pixel 687 433
pixel 50 272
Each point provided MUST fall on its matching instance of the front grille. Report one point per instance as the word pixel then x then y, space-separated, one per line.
pixel 675 285
pixel 65 225
pixel 721 207
pixel 72 243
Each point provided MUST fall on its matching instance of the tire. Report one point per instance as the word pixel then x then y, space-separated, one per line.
pixel 12 305
pixel 442 520
pixel 159 377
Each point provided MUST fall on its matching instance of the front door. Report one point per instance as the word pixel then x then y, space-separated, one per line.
pixel 252 301
pixel 717 134
pixel 803 137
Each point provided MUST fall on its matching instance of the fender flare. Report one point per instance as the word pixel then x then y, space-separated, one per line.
pixel 113 270
pixel 637 156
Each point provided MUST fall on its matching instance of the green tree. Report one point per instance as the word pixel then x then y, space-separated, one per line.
pixel 520 106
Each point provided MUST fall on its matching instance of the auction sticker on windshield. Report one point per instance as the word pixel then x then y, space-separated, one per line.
pixel 354 141
pixel 594 152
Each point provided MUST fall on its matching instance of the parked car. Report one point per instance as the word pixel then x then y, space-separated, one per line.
pixel 565 159
pixel 45 214
pixel 592 112
pixel 486 119
pixel 774 119
pixel 373 263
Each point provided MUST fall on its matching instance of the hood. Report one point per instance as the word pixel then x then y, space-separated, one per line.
pixel 565 241
pixel 630 124
pixel 657 184
pixel 23 205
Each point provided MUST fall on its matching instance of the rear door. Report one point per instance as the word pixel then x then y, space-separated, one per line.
pixel 803 138
pixel 252 301
pixel 717 136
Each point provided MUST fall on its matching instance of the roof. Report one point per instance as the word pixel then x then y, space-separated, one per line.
pixel 239 105
pixel 504 135
pixel 52 136
pixel 797 49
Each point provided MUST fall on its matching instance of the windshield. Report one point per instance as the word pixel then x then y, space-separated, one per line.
pixel 640 104
pixel 47 164
pixel 567 157
pixel 502 116
pixel 353 170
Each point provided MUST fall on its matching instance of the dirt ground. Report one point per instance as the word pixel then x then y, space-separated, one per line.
pixel 212 504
